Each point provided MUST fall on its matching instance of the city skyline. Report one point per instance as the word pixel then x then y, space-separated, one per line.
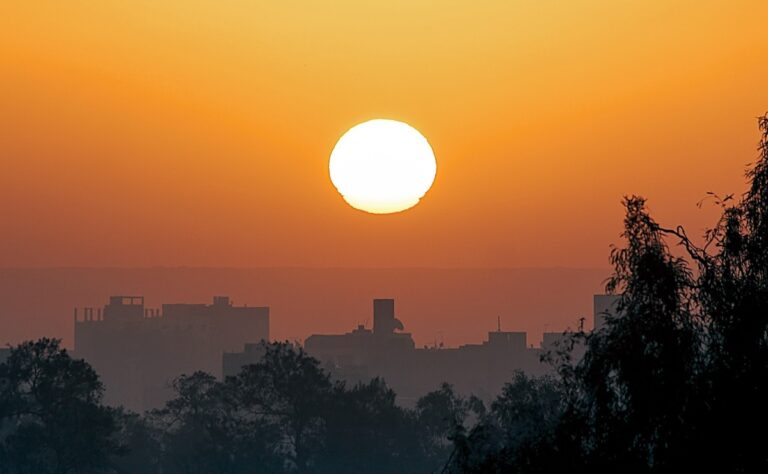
pixel 451 305
pixel 140 351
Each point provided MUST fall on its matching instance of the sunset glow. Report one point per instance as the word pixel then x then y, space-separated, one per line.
pixel 141 117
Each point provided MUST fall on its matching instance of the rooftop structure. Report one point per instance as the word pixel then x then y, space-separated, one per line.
pixel 386 351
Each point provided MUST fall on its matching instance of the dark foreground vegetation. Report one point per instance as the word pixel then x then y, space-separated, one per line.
pixel 678 382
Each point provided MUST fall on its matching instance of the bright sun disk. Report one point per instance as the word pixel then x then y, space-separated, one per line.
pixel 382 166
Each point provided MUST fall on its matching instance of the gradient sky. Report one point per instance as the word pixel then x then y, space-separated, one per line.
pixel 197 133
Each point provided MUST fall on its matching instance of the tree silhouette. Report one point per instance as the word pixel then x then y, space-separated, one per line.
pixel 677 380
pixel 206 430
pixel 51 420
pixel 287 389
pixel 637 374
pixel 733 296
pixel 517 434
pixel 367 432
pixel 140 444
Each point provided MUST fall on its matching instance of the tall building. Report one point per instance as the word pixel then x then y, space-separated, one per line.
pixel 138 351
pixel 604 306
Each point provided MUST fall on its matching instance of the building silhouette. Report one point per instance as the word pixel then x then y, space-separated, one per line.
pixel 233 362
pixel 4 353
pixel 411 372
pixel 138 351
pixel 388 352
pixel 604 306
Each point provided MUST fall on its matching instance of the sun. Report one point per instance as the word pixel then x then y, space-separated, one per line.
pixel 382 166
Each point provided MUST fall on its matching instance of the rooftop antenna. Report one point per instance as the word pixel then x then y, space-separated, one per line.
pixel 498 323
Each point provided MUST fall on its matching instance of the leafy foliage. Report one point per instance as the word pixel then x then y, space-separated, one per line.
pixel 51 419
pixel 677 380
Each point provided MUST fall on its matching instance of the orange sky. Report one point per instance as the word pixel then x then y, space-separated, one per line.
pixel 197 133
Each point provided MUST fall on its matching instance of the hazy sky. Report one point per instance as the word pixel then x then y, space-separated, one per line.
pixel 197 133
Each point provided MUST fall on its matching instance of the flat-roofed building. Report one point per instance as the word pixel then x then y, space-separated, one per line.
pixel 138 351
